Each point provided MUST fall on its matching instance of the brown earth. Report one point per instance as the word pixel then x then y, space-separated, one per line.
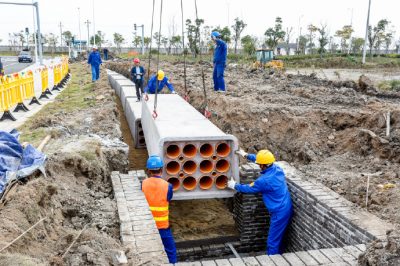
pixel 76 194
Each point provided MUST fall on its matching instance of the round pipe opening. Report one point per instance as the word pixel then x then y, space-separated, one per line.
pixel 181 175
pixel 214 174
pixel 141 133
pixel 181 158
pixel 221 181
pixel 222 166
pixel 214 158
pixel 173 151
pixel 142 141
pixel 140 125
pixel 173 168
pixel 206 166
pixel 189 183
pixel 189 150
pixel 174 182
pixel 189 167
pixel 223 149
pixel 206 150
pixel 205 182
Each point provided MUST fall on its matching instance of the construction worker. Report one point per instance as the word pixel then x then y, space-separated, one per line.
pixel 162 81
pixel 1 69
pixel 105 53
pixel 219 61
pixel 272 185
pixel 95 61
pixel 158 193
pixel 137 74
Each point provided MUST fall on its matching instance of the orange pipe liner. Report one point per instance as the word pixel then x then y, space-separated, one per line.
pixel 176 184
pixel 189 150
pixel 205 182
pixel 173 151
pixel 206 166
pixel 222 166
pixel 181 175
pixel 189 167
pixel 173 168
pixel 221 181
pixel 206 150
pixel 189 183
pixel 223 149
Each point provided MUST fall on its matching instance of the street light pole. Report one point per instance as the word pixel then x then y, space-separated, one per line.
pixel 34 36
pixel 366 34
pixel 80 36
pixel 94 28
pixel 87 24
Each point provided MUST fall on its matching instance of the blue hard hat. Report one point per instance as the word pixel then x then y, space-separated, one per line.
pixel 215 34
pixel 154 162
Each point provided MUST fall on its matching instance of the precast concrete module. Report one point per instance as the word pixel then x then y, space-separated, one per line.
pixel 113 77
pixel 199 158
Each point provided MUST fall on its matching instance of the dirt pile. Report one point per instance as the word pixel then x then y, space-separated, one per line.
pixel 76 195
pixel 385 253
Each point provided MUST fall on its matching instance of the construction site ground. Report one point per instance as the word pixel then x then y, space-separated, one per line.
pixel 333 131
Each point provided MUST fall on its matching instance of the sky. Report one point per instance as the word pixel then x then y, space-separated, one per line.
pixel 119 15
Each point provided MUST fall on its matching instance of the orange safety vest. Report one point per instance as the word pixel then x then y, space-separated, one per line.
pixel 156 190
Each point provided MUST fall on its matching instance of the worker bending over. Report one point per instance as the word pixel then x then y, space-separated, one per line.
pixel 272 185
pixel 158 193
pixel 219 61
pixel 162 81
pixel 137 74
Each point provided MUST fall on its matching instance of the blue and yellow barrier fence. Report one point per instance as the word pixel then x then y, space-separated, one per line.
pixel 19 87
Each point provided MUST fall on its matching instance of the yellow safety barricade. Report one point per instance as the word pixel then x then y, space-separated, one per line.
pixel 45 83
pixel 6 97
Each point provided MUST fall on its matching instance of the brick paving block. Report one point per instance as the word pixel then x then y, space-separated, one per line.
pixel 237 262
pixel 251 261
pixel 345 255
pixel 135 217
pixel 318 256
pixel 223 262
pixel 195 263
pixel 208 263
pixel 293 259
pixel 145 232
pixel 153 258
pixel 147 237
pixel 353 251
pixel 361 247
pixel 279 260
pixel 306 258
pixel 330 254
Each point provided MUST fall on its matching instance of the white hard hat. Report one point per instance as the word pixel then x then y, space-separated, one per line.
pixel 95 47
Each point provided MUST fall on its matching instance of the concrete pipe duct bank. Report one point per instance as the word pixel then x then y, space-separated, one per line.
pixel 199 158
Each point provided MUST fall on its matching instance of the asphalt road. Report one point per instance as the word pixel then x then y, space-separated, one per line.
pixel 11 65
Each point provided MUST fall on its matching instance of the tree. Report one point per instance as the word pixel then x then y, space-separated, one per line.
pixel 357 44
pixel 175 41
pixel 344 34
pixel 288 34
pixel 52 41
pixel 157 39
pixel 67 37
pixel 137 41
pixel 99 37
pixel 193 34
pixel 147 41
pixel 323 39
pixel 302 44
pixel 238 27
pixel 388 38
pixel 118 40
pixel 376 33
pixel 165 43
pixel 312 30
pixel 249 44
pixel 275 34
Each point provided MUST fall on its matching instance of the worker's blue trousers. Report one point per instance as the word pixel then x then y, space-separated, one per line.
pixel 218 77
pixel 279 222
pixel 95 72
pixel 169 244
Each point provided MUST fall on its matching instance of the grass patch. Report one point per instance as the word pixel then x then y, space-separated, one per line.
pixel 78 95
pixel 390 85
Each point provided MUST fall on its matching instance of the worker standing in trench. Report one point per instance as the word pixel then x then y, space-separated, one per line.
pixel 220 53
pixel 158 193
pixel 272 185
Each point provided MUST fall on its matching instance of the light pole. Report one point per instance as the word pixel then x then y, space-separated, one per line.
pixel 34 35
pixel 94 28
pixel 366 34
pixel 61 34
pixel 351 24
pixel 87 22
pixel 36 5
pixel 80 36
pixel 298 39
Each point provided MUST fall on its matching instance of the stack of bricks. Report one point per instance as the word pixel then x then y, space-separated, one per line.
pixel 137 227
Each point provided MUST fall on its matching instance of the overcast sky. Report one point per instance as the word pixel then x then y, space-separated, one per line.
pixel 120 15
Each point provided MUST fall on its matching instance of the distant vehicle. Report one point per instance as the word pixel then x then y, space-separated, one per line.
pixel 25 56
pixel 266 59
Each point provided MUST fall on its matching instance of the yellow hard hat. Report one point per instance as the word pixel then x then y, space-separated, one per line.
pixel 265 157
pixel 160 75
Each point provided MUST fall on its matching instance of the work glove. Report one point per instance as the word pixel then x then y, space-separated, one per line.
pixel 231 184
pixel 241 153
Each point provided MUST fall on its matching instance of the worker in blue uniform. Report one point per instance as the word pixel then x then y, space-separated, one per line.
pixel 162 81
pixel 272 185
pixel 95 61
pixel 220 53
pixel 159 193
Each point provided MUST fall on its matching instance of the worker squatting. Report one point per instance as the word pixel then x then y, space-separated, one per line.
pixel 271 184
pixel 160 80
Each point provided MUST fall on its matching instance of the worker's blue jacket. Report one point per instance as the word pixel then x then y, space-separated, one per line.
pixel 272 185
pixel 94 58
pixel 151 86
pixel 220 52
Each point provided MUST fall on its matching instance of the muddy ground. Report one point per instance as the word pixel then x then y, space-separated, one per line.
pixel 333 131
pixel 76 195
